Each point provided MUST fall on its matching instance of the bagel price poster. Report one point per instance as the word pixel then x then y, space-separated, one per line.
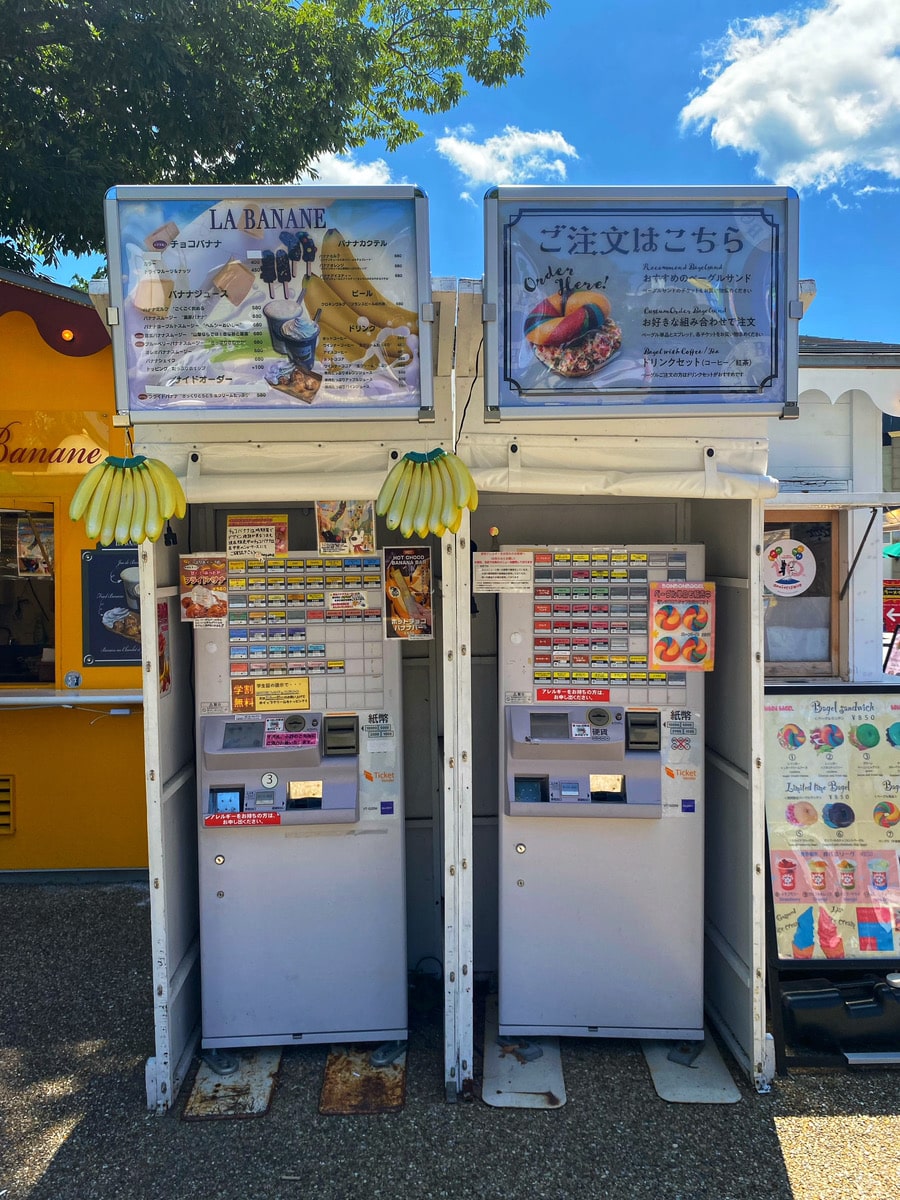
pixel 682 626
pixel 648 297
pixel 267 299
pixel 833 819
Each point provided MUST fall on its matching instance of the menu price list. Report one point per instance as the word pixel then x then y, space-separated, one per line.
pixel 591 616
pixel 296 614
pixel 833 818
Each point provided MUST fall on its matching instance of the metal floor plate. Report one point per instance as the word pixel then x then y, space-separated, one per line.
pixel 352 1085
pixel 512 1079
pixel 246 1093
pixel 706 1081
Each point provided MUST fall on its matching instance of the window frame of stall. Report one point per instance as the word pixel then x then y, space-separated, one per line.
pixel 828 665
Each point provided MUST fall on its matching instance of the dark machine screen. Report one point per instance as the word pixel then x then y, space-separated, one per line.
pixel 531 789
pixel 550 725
pixel 243 735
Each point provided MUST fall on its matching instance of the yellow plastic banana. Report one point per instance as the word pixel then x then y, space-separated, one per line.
pixel 111 511
pixel 461 478
pixel 180 499
pixel 389 487
pixel 126 507
pixel 139 510
pixel 422 514
pixel 93 522
pixel 85 490
pixel 449 506
pixel 435 524
pixel 457 521
pixel 466 475
pixel 408 516
pixel 154 520
pixel 162 478
pixel 178 496
pixel 398 500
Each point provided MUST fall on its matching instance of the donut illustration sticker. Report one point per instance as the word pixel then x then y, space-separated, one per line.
pixel 682 626
pixel 788 568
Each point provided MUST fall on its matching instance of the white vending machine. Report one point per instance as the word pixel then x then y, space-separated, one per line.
pixel 300 807
pixel 601 793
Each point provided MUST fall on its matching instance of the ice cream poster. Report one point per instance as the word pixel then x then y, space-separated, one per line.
pixel 682 626
pixel 833 820
pixel 268 300
pixel 630 301
pixel 345 526
pixel 408 596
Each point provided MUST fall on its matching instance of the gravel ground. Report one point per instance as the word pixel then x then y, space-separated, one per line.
pixel 77 1029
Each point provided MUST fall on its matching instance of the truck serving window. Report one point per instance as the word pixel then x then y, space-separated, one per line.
pixel 27 595
pixel 800 593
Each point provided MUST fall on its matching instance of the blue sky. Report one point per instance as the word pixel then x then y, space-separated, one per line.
pixel 714 92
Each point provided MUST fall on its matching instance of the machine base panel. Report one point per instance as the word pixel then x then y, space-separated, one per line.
pixel 306 1039
pixel 601 1031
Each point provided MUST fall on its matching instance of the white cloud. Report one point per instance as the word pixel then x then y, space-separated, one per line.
pixel 871 190
pixel 513 156
pixel 813 95
pixel 340 169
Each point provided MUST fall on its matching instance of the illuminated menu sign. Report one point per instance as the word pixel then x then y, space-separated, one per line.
pixel 611 300
pixel 302 303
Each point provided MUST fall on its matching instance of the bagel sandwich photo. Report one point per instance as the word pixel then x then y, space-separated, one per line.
pixel 572 332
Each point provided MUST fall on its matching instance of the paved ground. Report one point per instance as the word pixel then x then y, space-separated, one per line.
pixel 75 1030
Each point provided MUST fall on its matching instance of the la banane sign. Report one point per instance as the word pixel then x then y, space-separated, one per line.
pixel 14 455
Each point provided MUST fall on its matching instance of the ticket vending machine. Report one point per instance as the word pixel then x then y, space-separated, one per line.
pixel 601 802
pixel 300 808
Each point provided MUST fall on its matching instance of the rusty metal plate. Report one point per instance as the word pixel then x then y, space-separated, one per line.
pixel 524 1074
pixel 246 1093
pixel 352 1085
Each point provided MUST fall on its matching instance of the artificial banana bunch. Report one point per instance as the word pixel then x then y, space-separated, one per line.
pixel 127 500
pixel 426 493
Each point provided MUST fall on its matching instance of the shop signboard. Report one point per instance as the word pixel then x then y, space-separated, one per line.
pixel 265 303
pixel 833 819
pixel 613 301
pixel 891 604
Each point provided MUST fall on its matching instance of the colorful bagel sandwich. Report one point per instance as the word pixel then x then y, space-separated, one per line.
pixel 572 332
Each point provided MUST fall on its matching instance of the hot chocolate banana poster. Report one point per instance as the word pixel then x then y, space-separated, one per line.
pixel 269 301
pixel 833 819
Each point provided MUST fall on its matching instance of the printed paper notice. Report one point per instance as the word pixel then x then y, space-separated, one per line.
pixel 502 571
pixel 269 695
pixel 256 536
